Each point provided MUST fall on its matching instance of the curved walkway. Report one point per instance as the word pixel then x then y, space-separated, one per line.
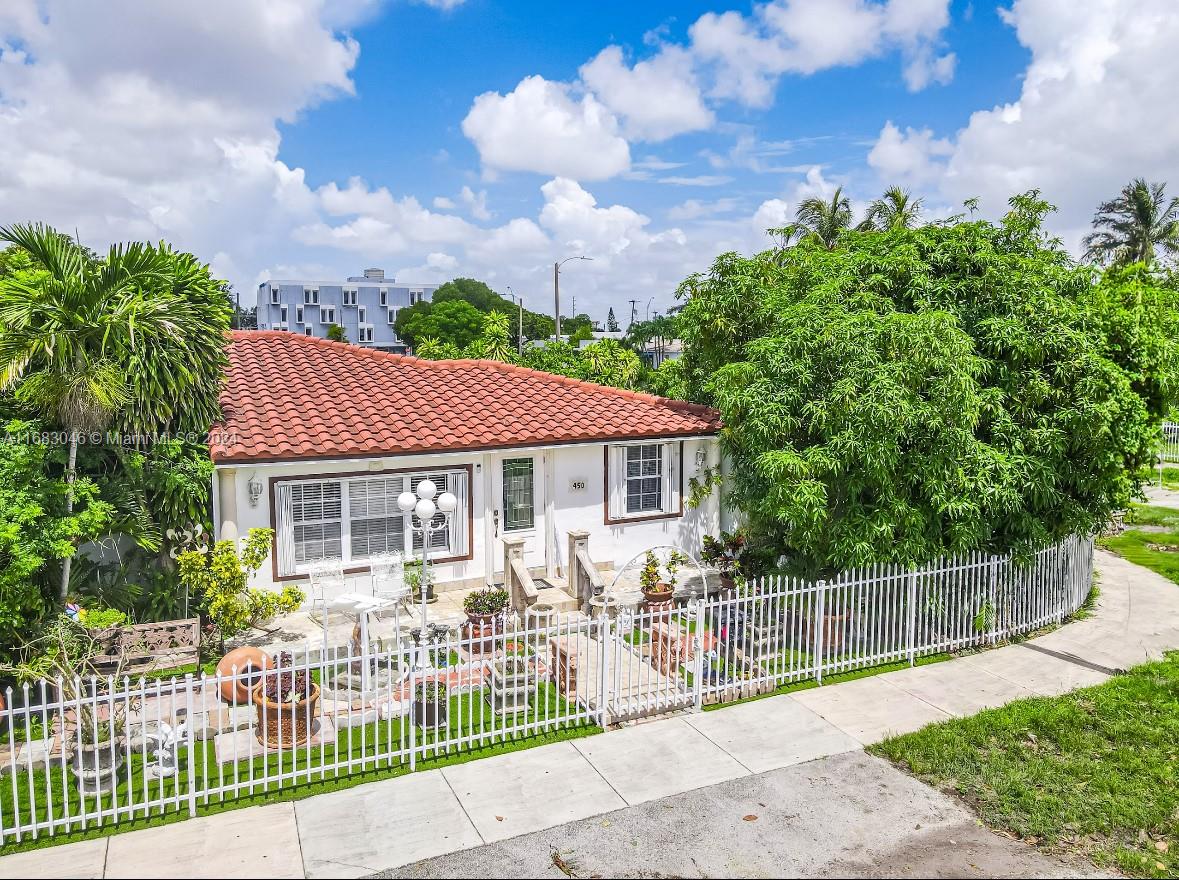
pixel 387 824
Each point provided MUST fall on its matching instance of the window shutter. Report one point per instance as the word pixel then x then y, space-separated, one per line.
pixel 458 520
pixel 671 482
pixel 284 533
pixel 616 482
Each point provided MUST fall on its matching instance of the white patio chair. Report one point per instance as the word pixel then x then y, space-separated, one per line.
pixel 388 579
pixel 326 581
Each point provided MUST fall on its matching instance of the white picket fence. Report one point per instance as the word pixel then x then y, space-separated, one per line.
pixel 504 685
pixel 1169 451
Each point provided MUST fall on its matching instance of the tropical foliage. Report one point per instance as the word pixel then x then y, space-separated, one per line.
pixel 912 392
pixel 1139 225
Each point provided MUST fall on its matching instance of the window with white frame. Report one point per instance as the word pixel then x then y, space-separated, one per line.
pixel 308 331
pixel 282 314
pixel 311 296
pixel 643 480
pixel 298 314
pixel 327 315
pixel 274 295
pixel 349 297
pixel 362 315
pixel 384 297
pixel 392 317
pixel 355 518
pixel 364 333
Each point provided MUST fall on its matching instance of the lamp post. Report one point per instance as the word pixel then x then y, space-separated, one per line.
pixel 557 294
pixel 519 333
pixel 422 505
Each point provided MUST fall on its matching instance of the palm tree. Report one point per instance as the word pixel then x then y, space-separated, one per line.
pixel 74 330
pixel 896 209
pixel 1136 225
pixel 825 220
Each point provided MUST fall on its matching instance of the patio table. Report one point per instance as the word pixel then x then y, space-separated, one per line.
pixel 362 606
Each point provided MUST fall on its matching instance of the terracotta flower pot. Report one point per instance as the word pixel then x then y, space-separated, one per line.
pixel 481 629
pixel 237 688
pixel 286 725
pixel 660 595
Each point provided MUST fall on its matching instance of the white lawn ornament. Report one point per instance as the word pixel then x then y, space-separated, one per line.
pixel 167 746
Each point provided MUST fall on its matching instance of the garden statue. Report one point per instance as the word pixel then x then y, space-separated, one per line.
pixel 168 741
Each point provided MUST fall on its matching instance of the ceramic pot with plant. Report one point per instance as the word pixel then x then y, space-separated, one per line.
pixel 94 759
pixel 656 591
pixel 485 617
pixel 724 554
pixel 429 704
pixel 288 705
pixel 413 580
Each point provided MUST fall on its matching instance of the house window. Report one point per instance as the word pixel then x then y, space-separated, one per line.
pixel 274 295
pixel 327 315
pixel 316 522
pixel 364 333
pixel 282 314
pixel 311 296
pixel 353 519
pixel 362 315
pixel 309 332
pixel 349 297
pixel 298 314
pixel 518 494
pixel 643 480
pixel 392 317
pixel 384 297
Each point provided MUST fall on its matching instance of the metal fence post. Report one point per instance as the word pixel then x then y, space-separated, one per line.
pixel 912 618
pixel 817 632
pixel 993 599
pixel 413 733
pixel 191 737
pixel 698 656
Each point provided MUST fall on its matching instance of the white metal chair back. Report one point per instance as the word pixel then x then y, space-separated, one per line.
pixel 326 580
pixel 388 577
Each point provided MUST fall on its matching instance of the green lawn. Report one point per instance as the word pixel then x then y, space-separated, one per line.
pixel 467 713
pixel 1093 772
pixel 1156 550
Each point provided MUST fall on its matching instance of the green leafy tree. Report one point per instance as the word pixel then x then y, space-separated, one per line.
pixel 136 339
pixel 494 343
pixel 916 392
pixel 896 209
pixel 612 322
pixel 1138 226
pixel 36 530
pixel 824 219
pixel 608 362
pixel 454 321
pixel 432 350
pixel 336 333
pixel 219 579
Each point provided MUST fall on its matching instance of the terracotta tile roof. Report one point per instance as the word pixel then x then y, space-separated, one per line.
pixel 289 396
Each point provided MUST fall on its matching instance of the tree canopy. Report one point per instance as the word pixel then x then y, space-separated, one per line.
pixel 1139 225
pixel 913 392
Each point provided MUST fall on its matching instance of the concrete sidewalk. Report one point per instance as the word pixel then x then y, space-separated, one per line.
pixel 387 824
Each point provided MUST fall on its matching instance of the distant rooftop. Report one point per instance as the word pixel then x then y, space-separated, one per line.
pixel 370 276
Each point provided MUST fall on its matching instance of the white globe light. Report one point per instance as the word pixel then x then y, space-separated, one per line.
pixel 427 490
pixel 406 501
pixel 447 502
pixel 426 510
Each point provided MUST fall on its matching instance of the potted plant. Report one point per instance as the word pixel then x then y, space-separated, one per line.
pixel 429 704
pixel 485 617
pixel 724 554
pixel 93 735
pixel 413 579
pixel 288 705
pixel 511 684
pixel 655 590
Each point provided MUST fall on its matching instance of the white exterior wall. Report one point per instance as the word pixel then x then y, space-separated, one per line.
pixel 569 509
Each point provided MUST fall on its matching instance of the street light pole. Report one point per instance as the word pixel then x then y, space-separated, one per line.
pixel 557 294
pixel 421 504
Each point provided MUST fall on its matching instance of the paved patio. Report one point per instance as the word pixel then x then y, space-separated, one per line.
pixel 397 822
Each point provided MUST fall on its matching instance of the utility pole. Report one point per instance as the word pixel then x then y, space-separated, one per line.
pixel 557 294
pixel 519 300
pixel 634 312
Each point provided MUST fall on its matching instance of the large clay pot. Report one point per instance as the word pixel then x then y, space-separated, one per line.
pixel 286 725
pixel 237 688
pixel 659 597
pixel 481 630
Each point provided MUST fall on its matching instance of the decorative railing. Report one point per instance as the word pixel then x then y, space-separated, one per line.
pixel 186 744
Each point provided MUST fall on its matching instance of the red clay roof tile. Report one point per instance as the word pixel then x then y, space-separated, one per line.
pixel 292 397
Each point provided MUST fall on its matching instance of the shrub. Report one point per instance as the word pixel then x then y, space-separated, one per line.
pixel 489 600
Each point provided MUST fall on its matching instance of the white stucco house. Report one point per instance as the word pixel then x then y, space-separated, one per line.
pixel 319 438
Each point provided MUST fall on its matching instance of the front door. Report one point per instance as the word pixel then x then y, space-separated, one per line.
pixel 517 508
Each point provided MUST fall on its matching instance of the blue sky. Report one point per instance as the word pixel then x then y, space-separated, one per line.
pixel 299 138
